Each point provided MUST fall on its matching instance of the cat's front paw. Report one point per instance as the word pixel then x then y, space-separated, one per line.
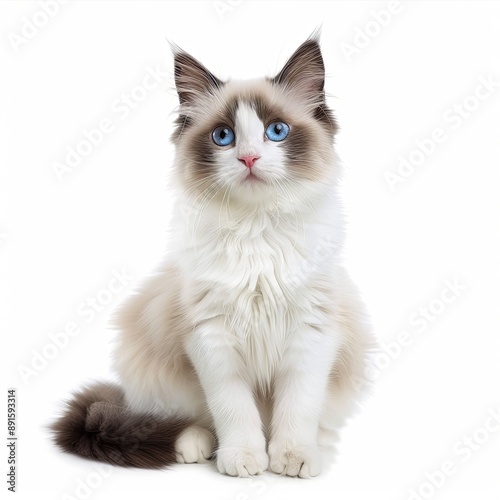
pixel 241 461
pixel 302 461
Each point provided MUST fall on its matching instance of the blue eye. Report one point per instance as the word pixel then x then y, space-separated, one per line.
pixel 223 136
pixel 277 131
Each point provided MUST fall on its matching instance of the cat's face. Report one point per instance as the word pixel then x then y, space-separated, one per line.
pixel 258 139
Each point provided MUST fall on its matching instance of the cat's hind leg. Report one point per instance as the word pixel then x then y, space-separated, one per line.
pixel 194 445
pixel 348 384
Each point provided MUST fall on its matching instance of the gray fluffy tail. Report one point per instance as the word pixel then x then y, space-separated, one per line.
pixel 96 424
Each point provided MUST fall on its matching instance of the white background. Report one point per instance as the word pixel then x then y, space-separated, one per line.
pixel 62 239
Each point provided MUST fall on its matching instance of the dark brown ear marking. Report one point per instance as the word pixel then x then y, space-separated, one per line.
pixel 305 72
pixel 191 77
pixel 305 69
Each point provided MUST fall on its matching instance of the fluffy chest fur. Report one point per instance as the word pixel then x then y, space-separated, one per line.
pixel 249 276
pixel 254 164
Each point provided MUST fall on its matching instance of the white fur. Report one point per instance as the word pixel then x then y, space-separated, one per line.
pixel 251 308
pixel 194 445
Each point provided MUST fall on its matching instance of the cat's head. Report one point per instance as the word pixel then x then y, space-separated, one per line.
pixel 254 140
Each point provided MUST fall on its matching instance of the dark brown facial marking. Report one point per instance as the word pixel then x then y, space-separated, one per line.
pixel 300 149
pixel 326 117
pixel 182 122
pixel 264 110
pixel 258 103
pixel 202 150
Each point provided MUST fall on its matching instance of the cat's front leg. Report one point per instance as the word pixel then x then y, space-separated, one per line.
pixel 299 393
pixel 241 443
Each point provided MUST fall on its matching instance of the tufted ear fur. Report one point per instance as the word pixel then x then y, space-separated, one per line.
pixel 192 79
pixel 304 76
pixel 304 71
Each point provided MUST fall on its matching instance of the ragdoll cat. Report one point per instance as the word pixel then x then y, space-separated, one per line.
pixel 248 343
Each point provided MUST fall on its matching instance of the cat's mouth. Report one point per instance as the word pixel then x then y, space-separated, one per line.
pixel 252 178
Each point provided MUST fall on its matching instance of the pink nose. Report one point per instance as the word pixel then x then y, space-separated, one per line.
pixel 249 160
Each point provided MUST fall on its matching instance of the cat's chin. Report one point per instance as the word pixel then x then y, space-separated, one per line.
pixel 254 183
pixel 252 179
pixel 253 190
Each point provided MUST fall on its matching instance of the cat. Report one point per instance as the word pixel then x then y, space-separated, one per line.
pixel 248 344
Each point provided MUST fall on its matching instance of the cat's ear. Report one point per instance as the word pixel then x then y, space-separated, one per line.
pixel 305 70
pixel 192 79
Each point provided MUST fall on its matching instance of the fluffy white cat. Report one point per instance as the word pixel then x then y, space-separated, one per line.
pixel 249 342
